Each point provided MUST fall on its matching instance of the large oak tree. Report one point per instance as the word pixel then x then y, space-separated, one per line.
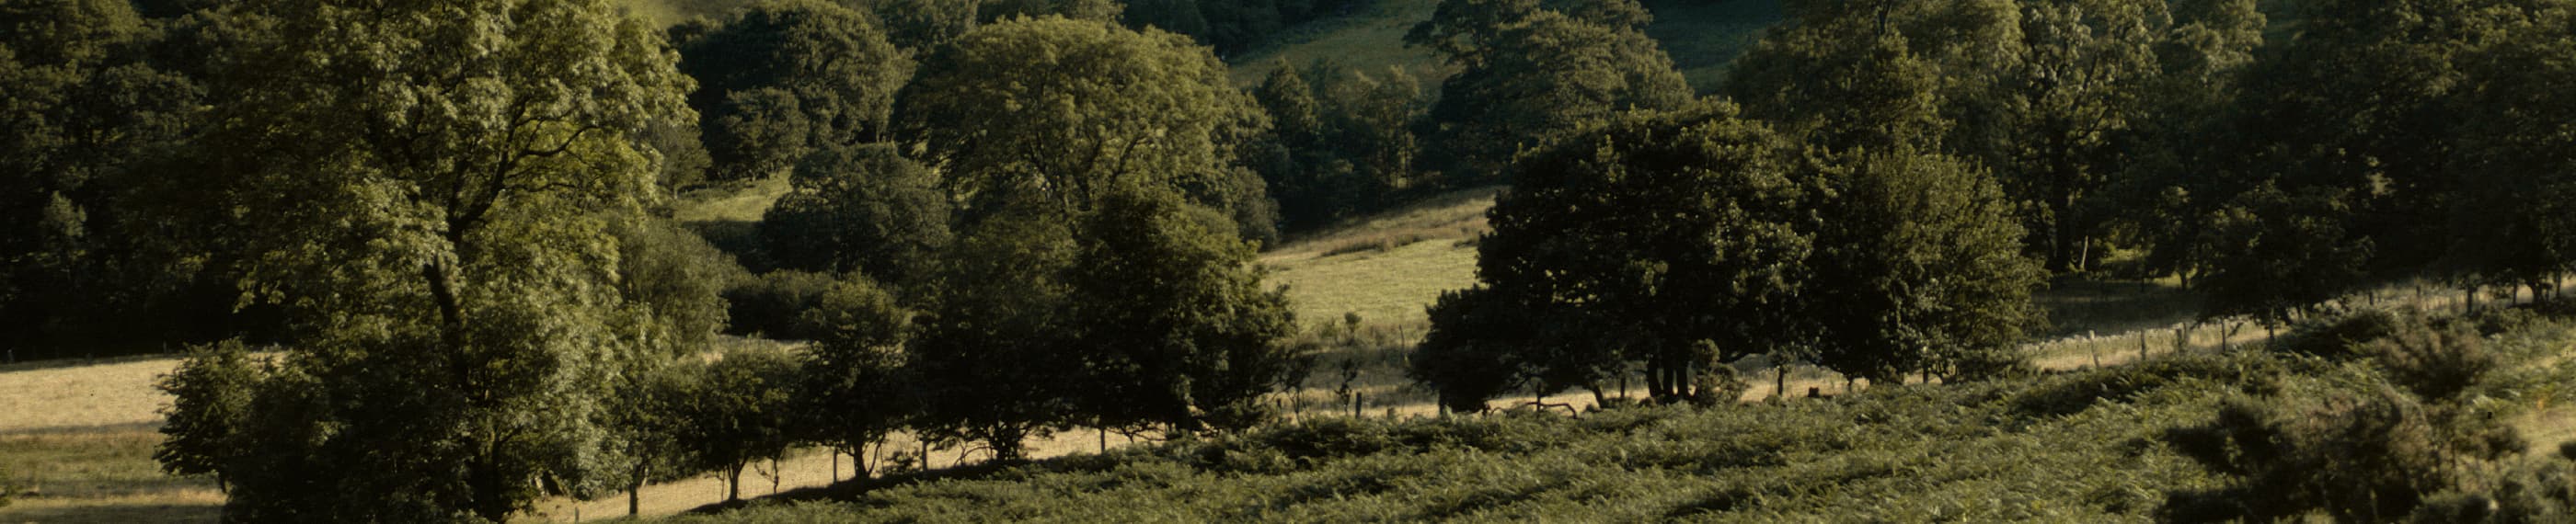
pixel 428 188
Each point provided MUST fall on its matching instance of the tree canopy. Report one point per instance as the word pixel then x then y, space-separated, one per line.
pixel 1531 72
pixel 431 201
pixel 784 78
pixel 1091 106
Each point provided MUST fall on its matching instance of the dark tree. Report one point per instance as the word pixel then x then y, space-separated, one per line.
pixel 865 209
pixel 1532 72
pixel 1919 269
pixel 785 78
pixel 1676 241
pixel 1173 319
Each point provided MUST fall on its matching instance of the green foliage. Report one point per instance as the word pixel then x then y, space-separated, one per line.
pixel 91 120
pixel 2537 490
pixel 678 276
pixel 2367 455
pixel 2363 443
pixel 774 304
pixel 1900 454
pixel 1919 269
pixel 1686 235
pixel 1231 27
pixel 1340 144
pixel 1531 72
pixel 2282 252
pixel 1196 345
pixel 855 388
pixel 650 424
pixel 742 410
pixel 864 209
pixel 210 406
pixel 2510 222
pixel 920 25
pixel 992 353
pixel 784 78
pixel 2435 362
pixel 443 246
pixel 1092 107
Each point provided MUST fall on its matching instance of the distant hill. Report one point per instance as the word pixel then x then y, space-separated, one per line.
pixel 1703 37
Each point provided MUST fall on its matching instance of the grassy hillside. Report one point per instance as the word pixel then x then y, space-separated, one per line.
pixel 1705 36
pixel 2103 445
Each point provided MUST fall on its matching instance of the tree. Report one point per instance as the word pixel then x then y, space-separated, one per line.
pixel 1340 145
pixel 2516 162
pixel 864 209
pixel 1531 72
pixel 2166 187
pixel 1476 348
pixel 741 413
pixel 1918 269
pixel 1856 74
pixel 784 78
pixel 650 425
pixel 1092 107
pixel 2358 103
pixel 2280 252
pixel 855 388
pixel 211 395
pixel 1195 344
pixel 1674 240
pixel 992 353
pixel 426 189
pixel 90 119
pixel 677 276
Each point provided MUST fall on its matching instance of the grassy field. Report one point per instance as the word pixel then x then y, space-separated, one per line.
pixel 79 437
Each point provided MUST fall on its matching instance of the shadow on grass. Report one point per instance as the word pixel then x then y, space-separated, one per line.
pixel 67 511
pixel 2079 306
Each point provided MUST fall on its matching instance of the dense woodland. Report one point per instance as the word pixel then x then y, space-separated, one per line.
pixel 425 250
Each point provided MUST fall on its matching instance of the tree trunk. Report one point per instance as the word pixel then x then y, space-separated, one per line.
pixel 733 482
pixel 635 489
pixel 1780 380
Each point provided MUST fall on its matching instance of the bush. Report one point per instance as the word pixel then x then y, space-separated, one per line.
pixel 2435 362
pixel 2340 336
pixel 2075 392
pixel 2359 456
pixel 677 275
pixel 2541 490
pixel 774 304
pixel 211 397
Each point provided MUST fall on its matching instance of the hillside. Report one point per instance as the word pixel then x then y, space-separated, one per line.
pixel 1702 37
pixel 2115 444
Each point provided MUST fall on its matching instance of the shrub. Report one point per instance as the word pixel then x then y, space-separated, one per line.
pixel 2074 392
pixel 2542 490
pixel 2365 456
pixel 2340 336
pixel 211 397
pixel 2435 362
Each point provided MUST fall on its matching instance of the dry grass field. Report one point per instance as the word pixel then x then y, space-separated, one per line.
pixel 78 438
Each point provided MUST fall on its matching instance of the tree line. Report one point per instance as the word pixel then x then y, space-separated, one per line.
pixel 1882 184
pixel 457 219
